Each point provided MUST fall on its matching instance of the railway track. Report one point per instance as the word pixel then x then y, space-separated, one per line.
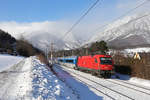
pixel 95 88
pixel 136 88
pixel 131 87
pixel 121 95
pixel 121 81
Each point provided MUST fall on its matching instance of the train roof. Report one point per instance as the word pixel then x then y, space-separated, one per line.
pixel 68 57
pixel 88 56
pixel 98 55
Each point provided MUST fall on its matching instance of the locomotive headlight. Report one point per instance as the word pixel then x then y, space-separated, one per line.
pixel 106 67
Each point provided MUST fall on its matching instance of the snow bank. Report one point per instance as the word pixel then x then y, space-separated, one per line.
pixel 47 86
pixel 140 81
pixel 7 61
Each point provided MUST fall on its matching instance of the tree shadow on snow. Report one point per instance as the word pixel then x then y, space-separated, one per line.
pixel 123 72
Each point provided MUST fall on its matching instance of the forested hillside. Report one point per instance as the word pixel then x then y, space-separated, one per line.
pixel 7 42
pixel 9 45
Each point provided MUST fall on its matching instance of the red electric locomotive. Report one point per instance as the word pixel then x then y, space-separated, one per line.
pixel 102 65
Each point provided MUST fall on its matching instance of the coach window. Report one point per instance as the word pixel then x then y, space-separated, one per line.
pixel 95 60
pixel 69 61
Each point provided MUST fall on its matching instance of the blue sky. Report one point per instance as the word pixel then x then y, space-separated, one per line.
pixel 41 10
pixel 57 16
pixel 52 10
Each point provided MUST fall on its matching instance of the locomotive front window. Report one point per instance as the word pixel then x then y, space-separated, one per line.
pixel 106 60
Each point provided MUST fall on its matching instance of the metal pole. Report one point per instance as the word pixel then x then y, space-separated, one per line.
pixel 47 54
pixel 51 53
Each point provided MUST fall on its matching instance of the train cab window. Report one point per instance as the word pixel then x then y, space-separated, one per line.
pixel 106 60
pixel 96 60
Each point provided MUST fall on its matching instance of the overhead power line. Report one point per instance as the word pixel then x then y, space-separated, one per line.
pixel 123 15
pixel 133 20
pixel 79 20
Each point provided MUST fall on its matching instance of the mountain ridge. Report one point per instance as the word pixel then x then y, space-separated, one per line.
pixel 134 31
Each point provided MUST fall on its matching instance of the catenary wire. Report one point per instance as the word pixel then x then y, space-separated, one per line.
pixel 79 20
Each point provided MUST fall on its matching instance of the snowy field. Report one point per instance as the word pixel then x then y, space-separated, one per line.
pixel 146 50
pixel 7 61
pixel 130 52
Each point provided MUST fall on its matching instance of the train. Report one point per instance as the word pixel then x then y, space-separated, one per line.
pixel 100 65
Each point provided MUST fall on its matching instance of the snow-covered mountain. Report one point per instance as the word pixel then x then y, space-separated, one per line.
pixel 42 34
pixel 42 40
pixel 130 31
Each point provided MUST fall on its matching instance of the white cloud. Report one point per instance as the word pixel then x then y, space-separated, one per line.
pixel 16 29
pixel 46 32
pixel 37 32
pixel 125 5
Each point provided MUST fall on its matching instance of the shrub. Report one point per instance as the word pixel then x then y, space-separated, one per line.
pixel 24 48
pixel 42 58
pixel 133 67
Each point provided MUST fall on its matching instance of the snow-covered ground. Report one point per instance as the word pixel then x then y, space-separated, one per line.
pixel 144 49
pixel 15 82
pixel 7 61
pixel 32 80
pixel 46 86
pixel 107 89
pixel 131 51
pixel 135 80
